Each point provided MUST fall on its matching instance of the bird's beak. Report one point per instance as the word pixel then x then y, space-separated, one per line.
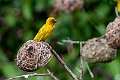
pixel 55 21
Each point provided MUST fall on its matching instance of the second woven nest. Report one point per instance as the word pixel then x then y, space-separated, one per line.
pixel 97 50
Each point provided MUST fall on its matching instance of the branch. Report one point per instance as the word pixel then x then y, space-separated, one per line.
pixel 64 65
pixel 81 63
pixel 78 42
pixel 35 74
pixel 73 42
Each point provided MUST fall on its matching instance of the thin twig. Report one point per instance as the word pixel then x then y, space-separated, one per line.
pixel 81 63
pixel 28 75
pixel 73 42
pixel 51 74
pixel 64 65
pixel 101 37
pixel 35 74
pixel 91 74
pixel 116 12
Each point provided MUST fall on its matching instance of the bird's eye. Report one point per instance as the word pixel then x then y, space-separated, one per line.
pixel 54 21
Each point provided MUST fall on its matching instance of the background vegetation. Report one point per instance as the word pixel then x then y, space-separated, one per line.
pixel 20 20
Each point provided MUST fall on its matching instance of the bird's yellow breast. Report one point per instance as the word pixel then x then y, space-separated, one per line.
pixel 49 31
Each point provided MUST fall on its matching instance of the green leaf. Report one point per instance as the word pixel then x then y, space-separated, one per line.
pixel 27 9
pixel 9 70
pixel 114 68
pixel 28 35
pixel 103 10
pixel 101 28
pixel 3 57
pixel 40 5
pixel 11 20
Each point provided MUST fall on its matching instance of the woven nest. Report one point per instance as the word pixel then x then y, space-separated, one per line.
pixel 113 33
pixel 68 5
pixel 97 50
pixel 33 55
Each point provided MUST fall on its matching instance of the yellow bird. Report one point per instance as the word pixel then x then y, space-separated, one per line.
pixel 46 30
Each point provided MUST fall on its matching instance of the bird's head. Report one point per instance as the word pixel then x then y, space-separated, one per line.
pixel 51 21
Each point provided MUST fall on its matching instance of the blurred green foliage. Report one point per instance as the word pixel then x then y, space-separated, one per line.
pixel 21 19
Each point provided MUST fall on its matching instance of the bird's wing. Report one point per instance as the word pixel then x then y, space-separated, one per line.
pixel 42 32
